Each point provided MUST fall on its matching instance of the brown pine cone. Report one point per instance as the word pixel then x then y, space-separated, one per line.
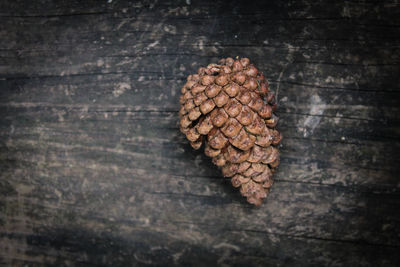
pixel 228 106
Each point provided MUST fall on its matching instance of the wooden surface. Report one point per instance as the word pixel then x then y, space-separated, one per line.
pixel 94 170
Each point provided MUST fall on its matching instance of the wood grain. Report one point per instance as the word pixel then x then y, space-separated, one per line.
pixel 94 170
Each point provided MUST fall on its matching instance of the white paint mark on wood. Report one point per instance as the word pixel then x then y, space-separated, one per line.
pixel 170 29
pixel 84 111
pixel 329 79
pixel 346 11
pixel 283 99
pixel 152 45
pixel 177 256
pixel 100 62
pixel 120 88
pixel 123 22
pixel 24 189
pixel 200 42
pixel 179 11
pixel 227 245
pixel 308 125
pixel 291 52
pixel 132 199
pixel 60 114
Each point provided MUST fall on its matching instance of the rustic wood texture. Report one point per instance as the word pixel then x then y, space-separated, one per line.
pixel 94 170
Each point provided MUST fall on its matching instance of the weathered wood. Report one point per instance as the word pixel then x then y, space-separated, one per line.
pixel 94 170
pixel 142 90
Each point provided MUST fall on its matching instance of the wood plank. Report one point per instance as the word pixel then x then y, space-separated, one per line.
pixel 364 77
pixel 368 74
pixel 144 90
pixel 346 130
pixel 108 39
pixel 98 175
pixel 135 246
pixel 331 156
pixel 384 11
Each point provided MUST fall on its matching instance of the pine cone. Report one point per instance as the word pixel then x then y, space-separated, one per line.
pixel 229 107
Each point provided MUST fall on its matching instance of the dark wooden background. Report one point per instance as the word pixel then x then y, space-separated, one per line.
pixel 95 172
